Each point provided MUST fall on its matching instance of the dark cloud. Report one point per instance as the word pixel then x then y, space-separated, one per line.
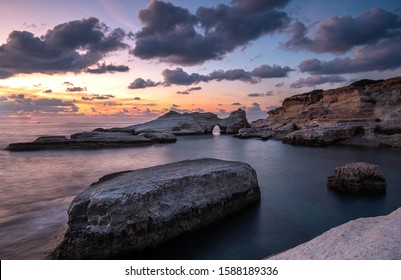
pixel 267 71
pixel 269 93
pixel 178 76
pixel 141 83
pixel 255 107
pixel 137 98
pixel 110 68
pixel 340 34
pixel 279 84
pixel 195 88
pixel 98 97
pixel 68 84
pixel 188 91
pixel 47 91
pixel 173 34
pixel 76 89
pixel 236 104
pixel 21 105
pixel 232 75
pixel 112 104
pixel 383 56
pixel 68 47
pixel 316 80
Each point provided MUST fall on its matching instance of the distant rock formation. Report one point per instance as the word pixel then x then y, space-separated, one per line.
pixel 131 211
pixel 375 238
pixel 92 140
pixel 190 123
pixel 365 113
pixel 358 177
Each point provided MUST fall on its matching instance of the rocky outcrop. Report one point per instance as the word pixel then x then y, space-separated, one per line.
pixel 127 212
pixel 375 238
pixel 365 113
pixel 91 140
pixel 358 177
pixel 190 123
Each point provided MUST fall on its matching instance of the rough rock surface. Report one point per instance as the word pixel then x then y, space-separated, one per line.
pixel 191 123
pixel 133 210
pixel 94 139
pixel 358 177
pixel 374 238
pixel 365 113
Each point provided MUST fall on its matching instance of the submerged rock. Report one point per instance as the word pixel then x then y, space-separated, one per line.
pixel 374 238
pixel 358 177
pixel 127 212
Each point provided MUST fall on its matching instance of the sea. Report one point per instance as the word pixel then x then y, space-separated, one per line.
pixel 37 187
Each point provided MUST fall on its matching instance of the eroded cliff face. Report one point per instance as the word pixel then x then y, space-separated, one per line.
pixel 365 113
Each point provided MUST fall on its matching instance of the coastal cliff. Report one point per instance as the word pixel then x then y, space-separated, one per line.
pixel 365 113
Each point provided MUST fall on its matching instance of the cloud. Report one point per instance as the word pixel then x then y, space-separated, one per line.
pixel 110 68
pixel 112 104
pixel 68 47
pixel 75 89
pixel 178 76
pixel 137 98
pixel 188 91
pixel 236 104
pixel 269 93
pixel 338 35
pixel 98 97
pixel 316 80
pixel 47 91
pixel 141 83
pixel 175 35
pixel 382 56
pixel 255 107
pixel 19 104
pixel 267 71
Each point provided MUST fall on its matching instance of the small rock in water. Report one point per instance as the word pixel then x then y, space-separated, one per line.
pixel 358 177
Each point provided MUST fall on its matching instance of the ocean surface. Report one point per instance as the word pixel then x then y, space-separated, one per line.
pixel 36 189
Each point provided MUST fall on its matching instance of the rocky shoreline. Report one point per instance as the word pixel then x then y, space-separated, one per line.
pixel 366 113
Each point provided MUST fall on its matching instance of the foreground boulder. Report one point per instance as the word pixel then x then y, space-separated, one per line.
pixel 128 212
pixel 374 238
pixel 358 177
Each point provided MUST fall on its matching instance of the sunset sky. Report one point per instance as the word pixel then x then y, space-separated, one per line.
pixel 127 59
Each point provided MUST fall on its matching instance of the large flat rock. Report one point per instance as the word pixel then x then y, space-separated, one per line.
pixel 374 238
pixel 93 140
pixel 131 211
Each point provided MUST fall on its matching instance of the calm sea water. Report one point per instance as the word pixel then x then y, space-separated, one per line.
pixel 36 189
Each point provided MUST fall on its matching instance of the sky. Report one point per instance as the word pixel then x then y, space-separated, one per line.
pixel 128 60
